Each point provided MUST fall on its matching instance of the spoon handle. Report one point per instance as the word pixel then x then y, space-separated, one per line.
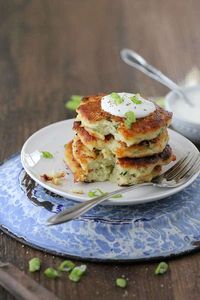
pixel 133 59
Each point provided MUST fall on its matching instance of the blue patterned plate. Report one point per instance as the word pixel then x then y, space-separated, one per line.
pixel 107 233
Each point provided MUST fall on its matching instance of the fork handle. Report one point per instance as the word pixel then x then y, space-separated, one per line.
pixel 81 208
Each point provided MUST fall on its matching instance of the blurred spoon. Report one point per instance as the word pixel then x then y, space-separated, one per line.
pixel 133 59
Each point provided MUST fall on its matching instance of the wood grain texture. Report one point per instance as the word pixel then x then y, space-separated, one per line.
pixel 21 286
pixel 51 49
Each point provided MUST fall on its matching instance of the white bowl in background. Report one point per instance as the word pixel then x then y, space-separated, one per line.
pixel 191 130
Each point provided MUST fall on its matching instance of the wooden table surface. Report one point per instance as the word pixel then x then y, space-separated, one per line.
pixel 51 49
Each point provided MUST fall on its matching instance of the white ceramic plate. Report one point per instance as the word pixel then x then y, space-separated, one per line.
pixel 52 138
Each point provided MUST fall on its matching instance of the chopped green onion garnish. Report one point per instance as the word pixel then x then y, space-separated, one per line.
pixel 51 273
pixel 95 193
pixel 77 273
pixel 116 97
pixel 92 194
pixel 98 192
pixel 130 119
pixel 117 196
pixel 47 154
pixel 161 268
pixel 135 99
pixel 73 102
pixel 121 282
pixel 34 264
pixel 66 266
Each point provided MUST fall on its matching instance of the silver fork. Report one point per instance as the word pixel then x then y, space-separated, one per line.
pixel 177 175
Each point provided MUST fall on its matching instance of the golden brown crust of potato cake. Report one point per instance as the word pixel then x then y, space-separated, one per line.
pixel 82 154
pixel 158 119
pixel 81 167
pixel 144 148
pixel 91 141
pixel 151 165
pixel 90 109
pixel 100 123
pixel 120 149
pixel 72 164
pixel 138 170
pixel 157 159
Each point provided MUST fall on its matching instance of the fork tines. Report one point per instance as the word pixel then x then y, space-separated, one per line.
pixel 187 166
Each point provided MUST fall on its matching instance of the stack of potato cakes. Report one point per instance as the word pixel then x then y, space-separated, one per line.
pixel 105 149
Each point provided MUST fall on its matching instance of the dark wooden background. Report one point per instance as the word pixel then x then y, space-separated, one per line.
pixel 51 49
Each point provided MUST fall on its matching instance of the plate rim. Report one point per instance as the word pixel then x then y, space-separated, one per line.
pixel 118 202
pixel 125 261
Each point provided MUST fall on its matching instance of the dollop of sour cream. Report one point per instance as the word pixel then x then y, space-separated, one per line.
pixel 141 107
